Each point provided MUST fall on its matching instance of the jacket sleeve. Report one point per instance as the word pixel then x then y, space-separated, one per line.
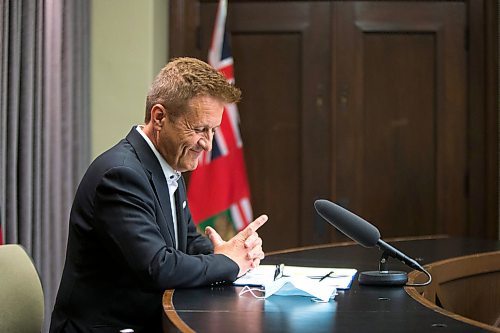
pixel 125 212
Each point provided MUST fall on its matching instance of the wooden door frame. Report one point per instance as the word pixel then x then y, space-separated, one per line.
pixel 483 99
pixel 483 124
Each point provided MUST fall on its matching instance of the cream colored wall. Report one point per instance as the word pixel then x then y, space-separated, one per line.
pixel 128 48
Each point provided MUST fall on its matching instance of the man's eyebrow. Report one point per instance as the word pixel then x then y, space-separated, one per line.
pixel 206 128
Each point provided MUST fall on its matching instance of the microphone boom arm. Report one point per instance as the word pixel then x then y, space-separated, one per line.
pixel 395 253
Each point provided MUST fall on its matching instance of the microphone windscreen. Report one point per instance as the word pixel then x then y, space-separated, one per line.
pixel 348 223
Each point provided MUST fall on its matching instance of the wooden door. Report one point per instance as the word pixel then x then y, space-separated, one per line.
pixel 399 90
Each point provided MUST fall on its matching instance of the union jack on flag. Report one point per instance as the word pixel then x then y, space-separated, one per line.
pixel 218 190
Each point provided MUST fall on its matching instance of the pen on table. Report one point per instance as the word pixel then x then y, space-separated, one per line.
pixel 278 272
pixel 327 275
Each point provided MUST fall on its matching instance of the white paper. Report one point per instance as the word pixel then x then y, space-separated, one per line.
pixel 301 286
pixel 341 278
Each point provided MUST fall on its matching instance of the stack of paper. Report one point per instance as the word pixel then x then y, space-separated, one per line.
pixel 341 278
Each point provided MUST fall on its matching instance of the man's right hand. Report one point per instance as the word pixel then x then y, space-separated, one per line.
pixel 245 248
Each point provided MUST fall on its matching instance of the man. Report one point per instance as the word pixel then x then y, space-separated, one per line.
pixel 131 234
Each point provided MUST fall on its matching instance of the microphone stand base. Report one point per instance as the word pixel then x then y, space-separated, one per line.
pixel 383 278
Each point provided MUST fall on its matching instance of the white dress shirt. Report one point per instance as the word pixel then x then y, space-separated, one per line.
pixel 171 175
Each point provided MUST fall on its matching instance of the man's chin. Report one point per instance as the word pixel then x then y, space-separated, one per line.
pixel 191 166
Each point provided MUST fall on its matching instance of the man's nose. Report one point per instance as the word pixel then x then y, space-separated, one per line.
pixel 206 143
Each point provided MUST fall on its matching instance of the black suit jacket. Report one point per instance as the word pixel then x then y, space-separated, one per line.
pixel 121 254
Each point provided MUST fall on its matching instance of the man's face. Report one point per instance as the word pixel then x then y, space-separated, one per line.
pixel 181 141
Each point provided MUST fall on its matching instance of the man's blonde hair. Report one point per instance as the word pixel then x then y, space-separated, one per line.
pixel 184 78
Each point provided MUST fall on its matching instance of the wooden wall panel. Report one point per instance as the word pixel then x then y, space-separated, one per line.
pixel 271 123
pixel 388 107
pixel 399 132
pixel 400 89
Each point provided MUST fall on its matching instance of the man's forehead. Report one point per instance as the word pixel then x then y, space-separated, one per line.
pixel 204 100
pixel 205 108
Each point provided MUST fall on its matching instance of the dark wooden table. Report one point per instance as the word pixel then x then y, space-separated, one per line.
pixel 359 309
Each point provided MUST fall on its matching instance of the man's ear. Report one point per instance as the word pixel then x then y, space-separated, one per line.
pixel 158 116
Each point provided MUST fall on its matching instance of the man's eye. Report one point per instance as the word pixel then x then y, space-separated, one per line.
pixel 204 130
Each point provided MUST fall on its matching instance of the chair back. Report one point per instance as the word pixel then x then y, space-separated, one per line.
pixel 21 294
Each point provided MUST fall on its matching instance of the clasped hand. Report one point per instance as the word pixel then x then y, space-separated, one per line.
pixel 245 248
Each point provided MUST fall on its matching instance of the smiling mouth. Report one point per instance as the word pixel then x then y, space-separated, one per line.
pixel 196 153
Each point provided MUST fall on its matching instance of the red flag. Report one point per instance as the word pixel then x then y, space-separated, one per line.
pixel 218 190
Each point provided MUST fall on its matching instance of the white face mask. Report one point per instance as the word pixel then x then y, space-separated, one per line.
pixel 298 286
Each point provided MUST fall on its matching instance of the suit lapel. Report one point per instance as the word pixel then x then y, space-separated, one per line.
pixel 156 178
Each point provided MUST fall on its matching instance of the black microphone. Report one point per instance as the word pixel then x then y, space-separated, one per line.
pixel 366 235
pixel 348 223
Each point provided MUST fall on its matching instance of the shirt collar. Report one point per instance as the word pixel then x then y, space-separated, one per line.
pixel 171 175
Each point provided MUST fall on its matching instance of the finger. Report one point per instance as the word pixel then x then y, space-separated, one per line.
pixel 252 240
pixel 253 243
pixel 214 236
pixel 255 253
pixel 254 226
pixel 255 263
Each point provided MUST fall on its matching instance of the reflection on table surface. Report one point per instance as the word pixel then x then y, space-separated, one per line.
pixel 359 309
